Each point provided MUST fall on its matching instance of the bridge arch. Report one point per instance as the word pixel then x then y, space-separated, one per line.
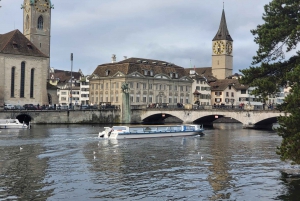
pixel 159 118
pixel 267 121
pixel 24 118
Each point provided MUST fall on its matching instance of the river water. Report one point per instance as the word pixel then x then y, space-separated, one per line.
pixel 57 162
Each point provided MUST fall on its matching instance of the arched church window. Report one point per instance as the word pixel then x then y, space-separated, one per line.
pixel 12 82
pixel 40 23
pixel 27 22
pixel 32 83
pixel 22 81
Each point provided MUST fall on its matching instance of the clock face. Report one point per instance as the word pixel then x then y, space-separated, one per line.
pixel 41 5
pixel 218 47
pixel 228 47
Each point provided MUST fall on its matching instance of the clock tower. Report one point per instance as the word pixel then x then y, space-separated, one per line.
pixel 37 23
pixel 222 59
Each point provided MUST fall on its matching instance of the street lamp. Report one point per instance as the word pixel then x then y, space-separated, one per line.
pixel 71 79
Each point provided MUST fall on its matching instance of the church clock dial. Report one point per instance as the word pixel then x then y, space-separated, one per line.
pixel 41 5
pixel 219 47
pixel 228 48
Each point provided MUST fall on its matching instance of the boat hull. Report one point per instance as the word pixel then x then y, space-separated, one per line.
pixel 154 135
pixel 11 123
pixel 7 126
pixel 137 132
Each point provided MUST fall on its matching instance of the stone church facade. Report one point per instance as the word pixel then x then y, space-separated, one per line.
pixel 25 57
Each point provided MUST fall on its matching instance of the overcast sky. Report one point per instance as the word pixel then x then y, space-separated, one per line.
pixel 176 31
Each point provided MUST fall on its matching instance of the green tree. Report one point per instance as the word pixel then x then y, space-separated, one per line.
pixel 279 34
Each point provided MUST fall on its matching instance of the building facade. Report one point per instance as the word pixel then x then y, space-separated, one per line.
pixel 24 71
pixel 151 83
pixel 25 58
pixel 68 86
pixel 84 90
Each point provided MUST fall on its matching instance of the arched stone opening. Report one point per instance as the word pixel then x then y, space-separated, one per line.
pixel 24 118
pixel 161 118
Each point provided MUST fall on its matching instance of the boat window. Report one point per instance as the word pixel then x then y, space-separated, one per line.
pixel 119 128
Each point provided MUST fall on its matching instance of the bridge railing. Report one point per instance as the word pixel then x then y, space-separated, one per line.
pixel 203 107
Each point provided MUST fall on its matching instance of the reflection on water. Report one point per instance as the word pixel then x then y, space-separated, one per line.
pixel 71 163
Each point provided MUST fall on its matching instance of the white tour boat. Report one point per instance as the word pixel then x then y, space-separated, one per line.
pixel 150 131
pixel 12 123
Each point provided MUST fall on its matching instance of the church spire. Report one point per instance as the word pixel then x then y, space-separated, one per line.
pixel 223 33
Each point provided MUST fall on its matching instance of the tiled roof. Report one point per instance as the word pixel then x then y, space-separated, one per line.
pixel 131 65
pixel 65 76
pixel 223 33
pixel 221 85
pixel 204 72
pixel 15 42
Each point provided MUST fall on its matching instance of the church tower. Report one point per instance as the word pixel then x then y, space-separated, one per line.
pixel 37 23
pixel 222 59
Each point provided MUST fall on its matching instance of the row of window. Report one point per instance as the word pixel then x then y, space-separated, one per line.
pixel 142 86
pixel 202 88
pixel 22 81
pixel 204 96
pixel 228 100
pixel 143 99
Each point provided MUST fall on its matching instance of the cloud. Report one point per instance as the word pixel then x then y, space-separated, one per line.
pixel 176 31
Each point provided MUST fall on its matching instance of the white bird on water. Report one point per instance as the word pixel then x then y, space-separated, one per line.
pixel 94 152
pixel 201 157
pixel 21 148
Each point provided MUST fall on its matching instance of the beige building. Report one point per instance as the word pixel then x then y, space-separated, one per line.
pixel 200 87
pixel 151 82
pixel 25 58
pixel 23 77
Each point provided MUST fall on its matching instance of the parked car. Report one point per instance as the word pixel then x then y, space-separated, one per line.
pixel 92 107
pixel 9 107
pixel 19 107
pixel 29 107
pixel 63 107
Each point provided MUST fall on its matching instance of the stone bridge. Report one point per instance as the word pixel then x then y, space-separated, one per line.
pixel 249 118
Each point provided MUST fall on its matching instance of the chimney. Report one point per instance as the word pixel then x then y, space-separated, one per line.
pixel 125 57
pixel 113 58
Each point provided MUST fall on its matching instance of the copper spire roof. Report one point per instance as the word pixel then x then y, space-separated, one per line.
pixel 223 33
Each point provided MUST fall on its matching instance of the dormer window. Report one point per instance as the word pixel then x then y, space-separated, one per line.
pixel 151 73
pixel 107 72
pixel 176 75
pixel 145 62
pixel 29 46
pixel 164 64
pixel 171 75
pixel 138 61
pixel 154 62
pixel 15 45
pixel 145 72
